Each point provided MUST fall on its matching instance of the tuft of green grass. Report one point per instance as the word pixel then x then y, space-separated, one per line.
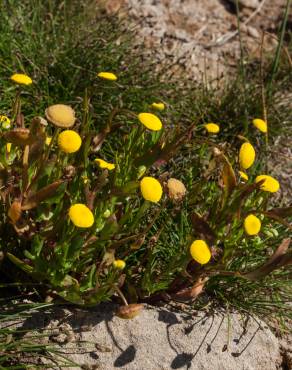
pixel 63 45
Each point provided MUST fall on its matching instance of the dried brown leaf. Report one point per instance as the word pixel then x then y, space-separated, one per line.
pixel 14 212
pixel 19 136
pixel 281 212
pixel 45 193
pixel 130 311
pixel 191 293
pixel 279 259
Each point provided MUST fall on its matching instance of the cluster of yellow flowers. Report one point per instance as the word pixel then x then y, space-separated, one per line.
pixel 69 141
pixel 199 249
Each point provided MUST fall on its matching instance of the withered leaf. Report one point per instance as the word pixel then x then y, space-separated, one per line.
pixel 97 141
pixel 279 259
pixel 228 175
pixel 19 136
pixel 202 227
pixel 130 311
pixel 281 212
pixel 108 257
pixel 229 178
pixel 14 212
pixel 45 193
pixel 191 293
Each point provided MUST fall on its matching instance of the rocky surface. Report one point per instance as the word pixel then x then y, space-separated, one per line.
pixel 159 339
pixel 200 37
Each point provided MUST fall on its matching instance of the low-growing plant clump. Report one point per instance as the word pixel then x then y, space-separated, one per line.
pixel 95 210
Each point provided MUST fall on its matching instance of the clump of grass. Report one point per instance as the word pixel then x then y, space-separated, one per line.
pixel 27 347
pixel 94 211
pixel 130 247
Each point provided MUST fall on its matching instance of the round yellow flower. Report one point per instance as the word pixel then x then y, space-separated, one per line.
pixel 158 106
pixel 212 128
pixel 107 76
pixel 246 155
pixel 104 164
pixel 69 141
pixel 252 225
pixel 5 121
pixel 21 79
pixel 150 121
pixel 81 215
pixel 119 264
pixel 151 189
pixel 270 184
pixel 243 175
pixel 260 124
pixel 200 252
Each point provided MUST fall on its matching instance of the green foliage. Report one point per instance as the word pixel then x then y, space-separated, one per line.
pixel 74 255
pixel 39 183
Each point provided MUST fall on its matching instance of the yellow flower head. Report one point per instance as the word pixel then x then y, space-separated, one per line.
pixel 243 175
pixel 81 215
pixel 158 106
pixel 260 124
pixel 5 122
pixel 21 79
pixel 150 121
pixel 151 189
pixel 252 225
pixel 246 155
pixel 119 264
pixel 107 76
pixel 270 184
pixel 8 147
pixel 200 252
pixel 104 164
pixel 48 140
pixel 212 128
pixel 69 141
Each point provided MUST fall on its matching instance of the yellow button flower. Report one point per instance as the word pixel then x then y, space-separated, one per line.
pixel 270 184
pixel 212 128
pixel 260 124
pixel 48 140
pixel 8 147
pixel 151 189
pixel 107 76
pixel 252 225
pixel 200 252
pixel 69 141
pixel 158 106
pixel 243 175
pixel 119 264
pixel 150 121
pixel 5 122
pixel 81 215
pixel 246 155
pixel 21 79
pixel 104 164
